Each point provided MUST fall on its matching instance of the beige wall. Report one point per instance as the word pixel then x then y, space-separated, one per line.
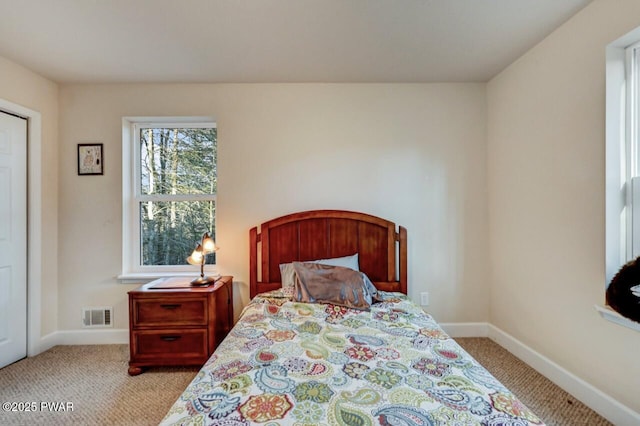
pixel 20 86
pixel 414 154
pixel 546 118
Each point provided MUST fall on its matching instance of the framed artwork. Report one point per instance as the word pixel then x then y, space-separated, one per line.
pixel 90 159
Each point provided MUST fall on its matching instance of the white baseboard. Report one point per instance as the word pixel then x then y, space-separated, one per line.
pixel 107 336
pixel 466 329
pixel 44 344
pixel 597 400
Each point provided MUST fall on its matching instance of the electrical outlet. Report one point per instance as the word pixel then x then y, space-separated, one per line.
pixel 424 298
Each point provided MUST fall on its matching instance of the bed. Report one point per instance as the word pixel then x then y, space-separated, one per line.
pixel 308 353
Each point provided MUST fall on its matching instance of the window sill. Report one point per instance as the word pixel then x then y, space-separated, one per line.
pixel 611 315
pixel 145 277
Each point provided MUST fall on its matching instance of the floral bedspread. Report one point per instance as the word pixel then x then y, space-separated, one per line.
pixel 310 364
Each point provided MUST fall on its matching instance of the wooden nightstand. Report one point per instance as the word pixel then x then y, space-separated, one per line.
pixel 172 323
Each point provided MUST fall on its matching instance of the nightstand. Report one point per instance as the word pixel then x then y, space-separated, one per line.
pixel 172 323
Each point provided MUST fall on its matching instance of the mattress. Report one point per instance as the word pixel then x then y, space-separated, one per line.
pixel 292 363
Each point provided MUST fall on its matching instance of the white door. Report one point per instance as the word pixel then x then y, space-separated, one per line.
pixel 13 238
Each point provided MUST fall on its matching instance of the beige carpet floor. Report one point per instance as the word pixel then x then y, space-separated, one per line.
pixel 541 395
pixel 94 380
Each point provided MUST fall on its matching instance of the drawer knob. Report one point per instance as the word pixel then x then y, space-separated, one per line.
pixel 170 338
pixel 170 305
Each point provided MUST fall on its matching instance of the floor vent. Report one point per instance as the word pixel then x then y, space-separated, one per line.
pixel 97 317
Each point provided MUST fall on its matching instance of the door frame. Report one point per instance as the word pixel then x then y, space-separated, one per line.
pixel 34 222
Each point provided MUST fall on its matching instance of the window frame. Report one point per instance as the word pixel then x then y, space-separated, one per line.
pixel 632 150
pixel 132 269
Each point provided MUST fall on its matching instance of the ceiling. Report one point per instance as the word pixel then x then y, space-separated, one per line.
pixel 100 41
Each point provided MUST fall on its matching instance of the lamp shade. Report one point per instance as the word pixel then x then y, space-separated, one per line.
pixel 208 244
pixel 196 256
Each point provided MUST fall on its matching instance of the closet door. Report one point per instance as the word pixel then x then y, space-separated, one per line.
pixel 13 238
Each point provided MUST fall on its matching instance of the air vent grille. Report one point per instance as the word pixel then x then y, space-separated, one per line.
pixel 97 317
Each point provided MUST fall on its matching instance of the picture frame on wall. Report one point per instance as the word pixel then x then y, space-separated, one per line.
pixel 90 159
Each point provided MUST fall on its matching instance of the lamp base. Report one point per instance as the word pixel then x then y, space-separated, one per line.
pixel 203 281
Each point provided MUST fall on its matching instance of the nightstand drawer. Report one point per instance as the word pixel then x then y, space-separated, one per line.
pixel 176 343
pixel 162 312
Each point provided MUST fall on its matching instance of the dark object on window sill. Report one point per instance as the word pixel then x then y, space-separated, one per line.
pixel 623 293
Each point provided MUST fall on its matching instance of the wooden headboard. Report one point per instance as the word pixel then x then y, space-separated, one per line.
pixel 322 234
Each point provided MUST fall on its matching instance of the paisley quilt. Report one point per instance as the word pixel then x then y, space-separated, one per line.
pixel 289 363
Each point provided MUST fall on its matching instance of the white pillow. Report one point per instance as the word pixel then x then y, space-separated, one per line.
pixel 350 262
pixel 288 274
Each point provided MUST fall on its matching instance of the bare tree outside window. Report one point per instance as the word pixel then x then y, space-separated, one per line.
pixel 177 187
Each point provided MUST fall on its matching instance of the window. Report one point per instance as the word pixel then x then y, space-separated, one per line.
pixel 630 166
pixel 621 152
pixel 169 192
pixel 622 160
